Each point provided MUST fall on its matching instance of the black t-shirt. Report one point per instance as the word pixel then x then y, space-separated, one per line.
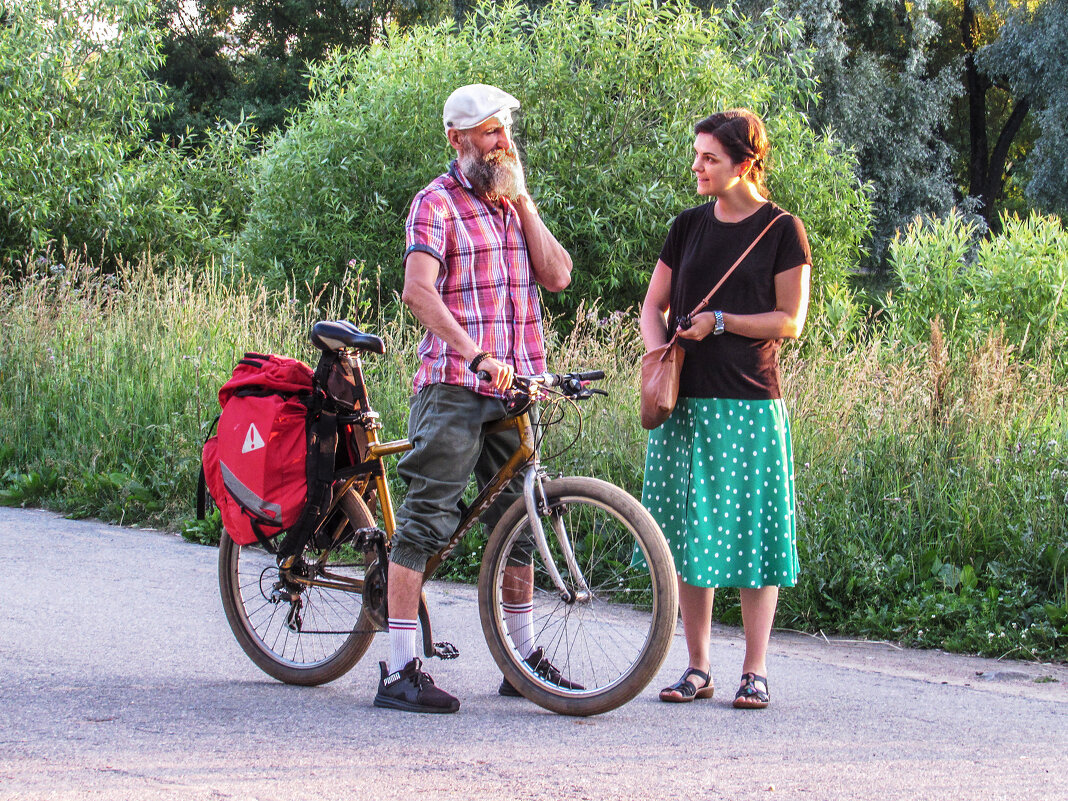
pixel 699 250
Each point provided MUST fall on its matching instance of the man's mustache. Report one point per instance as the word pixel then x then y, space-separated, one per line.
pixel 501 156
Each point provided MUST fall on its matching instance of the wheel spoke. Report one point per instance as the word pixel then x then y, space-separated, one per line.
pixel 610 644
pixel 329 639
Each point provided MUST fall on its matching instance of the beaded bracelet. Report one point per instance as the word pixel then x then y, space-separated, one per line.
pixel 475 362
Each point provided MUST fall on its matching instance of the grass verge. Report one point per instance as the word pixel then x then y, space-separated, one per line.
pixel 932 483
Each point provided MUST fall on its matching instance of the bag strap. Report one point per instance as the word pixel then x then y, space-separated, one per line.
pixel 202 495
pixel 265 540
pixel 322 449
pixel 202 484
pixel 701 306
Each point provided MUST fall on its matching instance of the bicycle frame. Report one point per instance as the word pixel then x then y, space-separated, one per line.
pixel 599 632
pixel 524 457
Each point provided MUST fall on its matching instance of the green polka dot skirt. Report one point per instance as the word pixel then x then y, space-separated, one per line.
pixel 719 480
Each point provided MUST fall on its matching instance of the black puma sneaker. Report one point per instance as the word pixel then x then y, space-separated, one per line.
pixel 543 668
pixel 412 690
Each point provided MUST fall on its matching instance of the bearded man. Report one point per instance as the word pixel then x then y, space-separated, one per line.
pixel 476 249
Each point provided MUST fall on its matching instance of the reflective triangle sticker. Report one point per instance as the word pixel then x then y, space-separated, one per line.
pixel 253 440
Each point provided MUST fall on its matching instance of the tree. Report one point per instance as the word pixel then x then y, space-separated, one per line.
pixel 74 107
pixel 882 96
pixel 1030 57
pixel 238 59
pixel 986 166
pixel 196 67
pixel 942 101
pixel 989 130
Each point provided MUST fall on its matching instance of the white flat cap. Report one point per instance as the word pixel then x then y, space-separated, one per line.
pixel 470 106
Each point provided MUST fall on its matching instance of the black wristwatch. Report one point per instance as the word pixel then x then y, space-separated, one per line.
pixel 719 329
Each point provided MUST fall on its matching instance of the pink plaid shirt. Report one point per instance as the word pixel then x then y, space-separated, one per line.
pixel 485 280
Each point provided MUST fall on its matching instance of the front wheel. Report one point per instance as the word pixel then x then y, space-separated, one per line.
pixel 603 648
pixel 305 625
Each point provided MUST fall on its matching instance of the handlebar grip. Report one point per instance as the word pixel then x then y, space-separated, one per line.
pixel 589 375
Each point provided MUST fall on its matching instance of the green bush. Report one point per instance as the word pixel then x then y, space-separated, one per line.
pixel 185 205
pixel 1015 282
pixel 609 99
pixel 73 108
pixel 77 175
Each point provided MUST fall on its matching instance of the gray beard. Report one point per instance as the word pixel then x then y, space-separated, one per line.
pixel 493 176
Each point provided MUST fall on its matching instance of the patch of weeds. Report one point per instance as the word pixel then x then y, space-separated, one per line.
pixel 204 532
pixel 115 496
pixel 1006 618
pixel 27 489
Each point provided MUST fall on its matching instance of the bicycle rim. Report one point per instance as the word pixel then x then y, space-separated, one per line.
pixel 296 633
pixel 610 644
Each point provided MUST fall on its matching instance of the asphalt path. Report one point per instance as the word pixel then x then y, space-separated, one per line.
pixel 119 679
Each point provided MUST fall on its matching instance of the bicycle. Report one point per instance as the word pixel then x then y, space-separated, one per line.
pixel 605 598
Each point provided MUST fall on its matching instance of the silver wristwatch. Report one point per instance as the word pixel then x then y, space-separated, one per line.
pixel 719 329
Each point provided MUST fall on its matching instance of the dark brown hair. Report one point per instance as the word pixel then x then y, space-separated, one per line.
pixel 743 136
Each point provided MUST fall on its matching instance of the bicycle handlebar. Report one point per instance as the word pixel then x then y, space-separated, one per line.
pixel 564 380
pixel 573 385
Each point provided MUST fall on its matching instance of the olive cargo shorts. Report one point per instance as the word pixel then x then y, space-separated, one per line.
pixel 446 426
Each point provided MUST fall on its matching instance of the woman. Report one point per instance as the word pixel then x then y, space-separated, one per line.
pixel 719 471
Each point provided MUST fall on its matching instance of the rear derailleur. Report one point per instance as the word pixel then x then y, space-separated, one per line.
pixel 283 591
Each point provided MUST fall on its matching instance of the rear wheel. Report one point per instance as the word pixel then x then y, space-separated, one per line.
pixel 610 643
pixel 305 625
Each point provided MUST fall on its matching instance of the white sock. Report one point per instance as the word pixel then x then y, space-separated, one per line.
pixel 519 618
pixel 401 642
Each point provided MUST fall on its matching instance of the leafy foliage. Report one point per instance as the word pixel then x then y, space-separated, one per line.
pixel 231 60
pixel 74 104
pixel 609 99
pixel 881 96
pixel 1015 282
pixel 1031 56
pixel 77 174
pixel 951 102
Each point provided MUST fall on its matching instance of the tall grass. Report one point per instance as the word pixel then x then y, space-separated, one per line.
pixel 933 496
pixel 108 384
pixel 932 481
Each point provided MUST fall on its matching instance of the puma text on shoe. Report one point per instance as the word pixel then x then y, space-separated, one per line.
pixel 412 690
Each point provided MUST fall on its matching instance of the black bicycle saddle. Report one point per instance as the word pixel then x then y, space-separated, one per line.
pixel 338 334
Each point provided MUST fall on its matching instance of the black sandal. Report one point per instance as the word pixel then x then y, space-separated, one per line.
pixel 749 696
pixel 686 689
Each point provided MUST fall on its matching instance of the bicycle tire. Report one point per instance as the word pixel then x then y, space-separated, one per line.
pixel 615 642
pixel 333 632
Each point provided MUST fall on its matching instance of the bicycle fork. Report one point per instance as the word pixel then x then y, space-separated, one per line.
pixel 537 507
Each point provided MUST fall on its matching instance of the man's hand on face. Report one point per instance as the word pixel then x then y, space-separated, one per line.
pixel 520 177
pixel 500 374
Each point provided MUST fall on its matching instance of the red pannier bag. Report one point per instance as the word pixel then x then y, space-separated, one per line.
pixel 265 465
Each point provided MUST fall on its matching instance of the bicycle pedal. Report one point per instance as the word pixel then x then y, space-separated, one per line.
pixel 367 538
pixel 445 650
